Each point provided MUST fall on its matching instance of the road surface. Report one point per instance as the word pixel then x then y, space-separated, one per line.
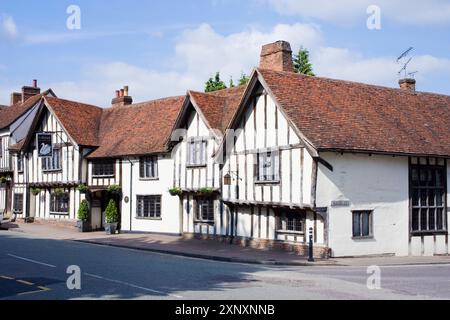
pixel 36 268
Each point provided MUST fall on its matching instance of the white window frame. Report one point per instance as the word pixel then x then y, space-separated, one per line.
pixel 197 152
pixel 148 168
pixel 153 213
pixel 53 163
pixel 268 167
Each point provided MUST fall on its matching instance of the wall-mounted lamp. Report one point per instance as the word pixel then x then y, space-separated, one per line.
pixel 227 180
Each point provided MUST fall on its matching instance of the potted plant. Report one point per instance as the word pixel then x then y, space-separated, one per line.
pixel 112 218
pixel 83 217
pixel 35 191
pixel 175 191
pixel 59 191
pixel 83 188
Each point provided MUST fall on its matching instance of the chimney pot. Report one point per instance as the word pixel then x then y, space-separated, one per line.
pixel 125 89
pixel 408 84
pixel 117 93
pixel 121 92
pixel 34 83
pixel 277 56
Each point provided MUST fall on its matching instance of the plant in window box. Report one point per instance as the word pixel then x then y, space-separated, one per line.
pixel 175 191
pixel 112 218
pixel 83 217
pixel 206 191
pixel 35 191
pixel 3 179
pixel 115 189
pixel 83 188
pixel 59 191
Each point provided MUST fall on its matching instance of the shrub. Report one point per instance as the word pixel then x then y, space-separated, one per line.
pixel 115 189
pixel 35 191
pixel 111 213
pixel 83 188
pixel 83 211
pixel 175 191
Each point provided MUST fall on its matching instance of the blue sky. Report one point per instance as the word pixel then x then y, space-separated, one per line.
pixel 163 48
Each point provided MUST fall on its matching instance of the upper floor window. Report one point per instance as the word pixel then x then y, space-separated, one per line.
pixel 268 167
pixel 53 163
pixel 428 180
pixel 1 147
pixel 20 163
pixel 148 167
pixel 103 169
pixel 59 203
pixel 148 207
pixel 196 153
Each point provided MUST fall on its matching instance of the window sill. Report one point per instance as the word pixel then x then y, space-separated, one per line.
pixel 363 238
pixel 195 166
pixel 301 233
pixel 266 182
pixel 52 171
pixel 104 177
pixel 148 179
pixel 59 214
pixel 148 219
pixel 210 222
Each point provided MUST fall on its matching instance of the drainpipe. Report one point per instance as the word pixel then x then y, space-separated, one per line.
pixel 131 194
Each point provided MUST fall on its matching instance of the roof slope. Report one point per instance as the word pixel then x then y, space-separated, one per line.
pixel 342 115
pixel 10 114
pixel 218 107
pixel 137 129
pixel 80 120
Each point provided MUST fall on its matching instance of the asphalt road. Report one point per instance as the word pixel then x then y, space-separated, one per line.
pixel 36 268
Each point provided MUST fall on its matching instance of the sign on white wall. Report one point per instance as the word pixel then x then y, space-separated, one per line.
pixel 44 145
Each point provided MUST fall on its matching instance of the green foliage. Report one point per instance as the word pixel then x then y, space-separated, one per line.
pixel 206 191
pixel 83 188
pixel 83 211
pixel 59 191
pixel 35 191
pixel 175 191
pixel 244 79
pixel 215 84
pixel 231 83
pixel 3 179
pixel 302 64
pixel 115 189
pixel 111 213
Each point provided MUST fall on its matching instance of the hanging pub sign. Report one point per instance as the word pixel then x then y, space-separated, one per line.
pixel 44 145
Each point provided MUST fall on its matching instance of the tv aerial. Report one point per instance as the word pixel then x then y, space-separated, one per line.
pixel 405 61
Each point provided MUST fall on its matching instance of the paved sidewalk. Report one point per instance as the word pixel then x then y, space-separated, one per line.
pixel 212 250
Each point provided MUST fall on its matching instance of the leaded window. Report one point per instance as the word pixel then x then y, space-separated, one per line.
pixel 18 203
pixel 268 167
pixel 205 210
pixel 103 168
pixel 196 153
pixel 148 206
pixel 53 163
pixel 59 203
pixel 148 168
pixel 428 180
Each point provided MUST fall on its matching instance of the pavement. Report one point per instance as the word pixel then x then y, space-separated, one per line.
pixel 211 250
pixel 41 268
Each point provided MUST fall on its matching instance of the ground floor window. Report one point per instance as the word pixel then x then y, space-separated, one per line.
pixel 18 203
pixel 149 207
pixel 428 181
pixel 59 203
pixel 205 210
pixel 291 222
pixel 362 224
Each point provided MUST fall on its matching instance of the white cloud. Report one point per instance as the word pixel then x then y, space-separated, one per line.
pixel 345 11
pixel 201 51
pixel 8 26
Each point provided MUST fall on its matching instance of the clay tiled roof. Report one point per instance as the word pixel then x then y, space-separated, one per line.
pixel 218 107
pixel 81 121
pixel 10 114
pixel 342 115
pixel 138 129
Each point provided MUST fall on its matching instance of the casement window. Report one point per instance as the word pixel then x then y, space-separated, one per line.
pixel 148 207
pixel 59 203
pixel 362 224
pixel 148 167
pixel 428 180
pixel 20 163
pixel 18 203
pixel 205 210
pixel 103 169
pixel 268 167
pixel 196 152
pixel 291 222
pixel 1 147
pixel 53 163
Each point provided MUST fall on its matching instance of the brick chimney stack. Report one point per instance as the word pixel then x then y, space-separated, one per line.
pixel 408 84
pixel 16 97
pixel 122 98
pixel 277 56
pixel 30 91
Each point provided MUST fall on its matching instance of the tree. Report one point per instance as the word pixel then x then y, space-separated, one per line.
pixel 244 79
pixel 302 64
pixel 214 84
